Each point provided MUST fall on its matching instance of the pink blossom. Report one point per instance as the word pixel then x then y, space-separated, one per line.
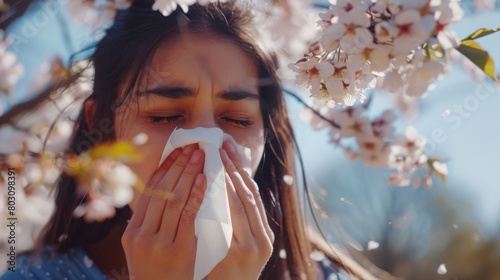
pixel 399 180
pixel 413 30
pixel 382 126
pixel 355 126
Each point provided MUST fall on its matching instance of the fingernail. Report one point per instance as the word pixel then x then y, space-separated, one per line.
pixel 195 157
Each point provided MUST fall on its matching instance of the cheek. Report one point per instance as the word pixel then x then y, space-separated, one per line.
pixel 256 157
pixel 255 142
pixel 150 151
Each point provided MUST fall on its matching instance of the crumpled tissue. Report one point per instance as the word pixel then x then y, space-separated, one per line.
pixel 213 227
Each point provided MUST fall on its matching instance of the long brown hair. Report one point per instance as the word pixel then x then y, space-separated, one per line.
pixel 126 51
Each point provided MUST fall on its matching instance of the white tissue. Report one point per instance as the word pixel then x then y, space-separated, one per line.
pixel 213 227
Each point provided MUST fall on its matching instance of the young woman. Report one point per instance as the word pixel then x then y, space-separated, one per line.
pixel 153 73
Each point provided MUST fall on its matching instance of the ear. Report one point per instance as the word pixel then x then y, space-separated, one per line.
pixel 90 108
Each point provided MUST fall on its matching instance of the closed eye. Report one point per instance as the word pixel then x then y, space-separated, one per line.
pixel 168 119
pixel 238 123
pixel 173 119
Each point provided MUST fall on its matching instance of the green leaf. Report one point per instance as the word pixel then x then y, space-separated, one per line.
pixel 481 32
pixel 479 56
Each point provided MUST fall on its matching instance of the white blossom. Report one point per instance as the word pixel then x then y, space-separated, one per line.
pixel 382 126
pixel 355 126
pixel 447 11
pixel 448 39
pixel 379 58
pixel 286 29
pixel 166 7
pixel 372 151
pixel 351 29
pixel 97 210
pixel 407 151
pixel 312 72
pixel 119 183
pixel 392 81
pixel 399 180
pixel 412 140
pixel 107 184
pixel 422 77
pixel 413 30
pixel 10 70
pixel 87 13
pixel 33 212
pixel 385 32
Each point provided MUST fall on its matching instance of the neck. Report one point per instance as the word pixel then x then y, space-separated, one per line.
pixel 108 254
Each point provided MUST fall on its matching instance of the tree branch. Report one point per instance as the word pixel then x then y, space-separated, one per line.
pixel 30 104
pixel 332 123
pixel 16 11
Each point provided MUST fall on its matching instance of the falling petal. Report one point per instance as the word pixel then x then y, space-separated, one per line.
pixel 282 254
pixel 447 113
pixel 442 269
pixel 288 179
pixel 345 201
pixel 372 245
pixel 317 256
pixel 88 262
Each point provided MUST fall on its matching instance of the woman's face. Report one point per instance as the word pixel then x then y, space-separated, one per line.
pixel 197 81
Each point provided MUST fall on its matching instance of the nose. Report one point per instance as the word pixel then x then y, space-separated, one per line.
pixel 201 119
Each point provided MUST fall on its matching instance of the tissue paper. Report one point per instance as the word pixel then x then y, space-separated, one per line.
pixel 213 227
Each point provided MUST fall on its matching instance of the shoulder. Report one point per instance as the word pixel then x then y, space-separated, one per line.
pixel 74 264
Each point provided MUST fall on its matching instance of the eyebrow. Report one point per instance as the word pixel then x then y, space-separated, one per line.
pixel 235 95
pixel 170 92
pixel 178 92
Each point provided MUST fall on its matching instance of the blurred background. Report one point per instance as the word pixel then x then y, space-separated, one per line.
pixel 450 231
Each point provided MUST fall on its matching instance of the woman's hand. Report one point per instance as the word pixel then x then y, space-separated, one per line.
pixel 252 243
pixel 159 241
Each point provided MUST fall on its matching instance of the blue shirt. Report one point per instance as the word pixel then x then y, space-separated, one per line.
pixel 76 264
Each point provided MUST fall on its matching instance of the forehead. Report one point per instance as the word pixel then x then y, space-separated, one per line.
pixel 196 60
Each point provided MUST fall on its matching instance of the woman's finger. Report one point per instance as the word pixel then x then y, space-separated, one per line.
pixel 142 205
pixel 163 190
pixel 241 228
pixel 250 183
pixel 180 195
pixel 185 232
pixel 245 195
